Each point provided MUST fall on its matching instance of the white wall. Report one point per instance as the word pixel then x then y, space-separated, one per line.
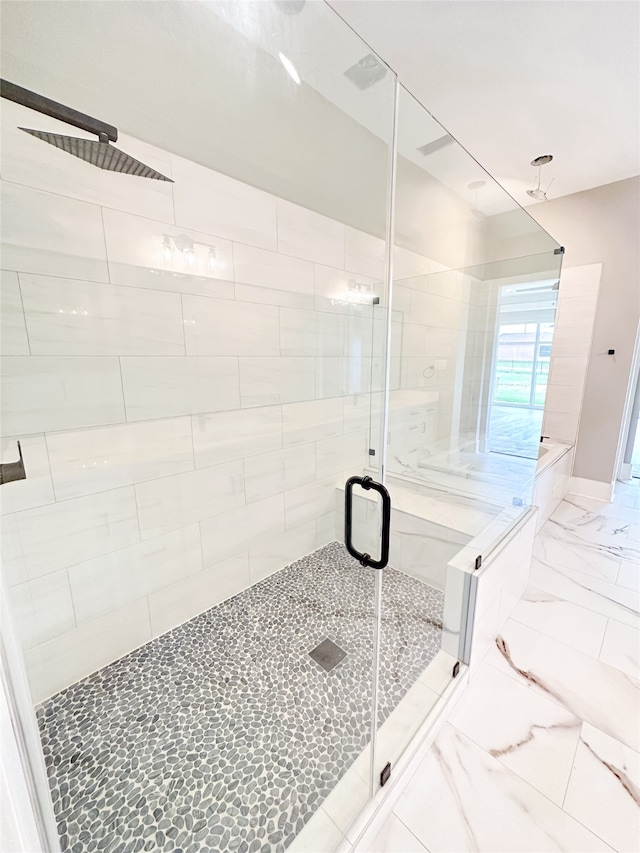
pixel 183 429
pixel 601 226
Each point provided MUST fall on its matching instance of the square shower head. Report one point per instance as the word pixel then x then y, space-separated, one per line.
pixel 99 153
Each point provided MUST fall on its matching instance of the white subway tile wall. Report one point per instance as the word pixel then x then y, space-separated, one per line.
pixel 189 380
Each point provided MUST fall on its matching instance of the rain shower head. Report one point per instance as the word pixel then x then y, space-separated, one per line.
pixel 98 152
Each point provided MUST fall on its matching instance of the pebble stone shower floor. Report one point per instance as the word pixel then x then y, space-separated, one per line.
pixel 224 734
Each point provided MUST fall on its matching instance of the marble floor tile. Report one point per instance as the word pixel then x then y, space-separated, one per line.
pixel 561 620
pixel 629 575
pixel 577 510
pixel 612 600
pixel 558 547
pixel 567 676
pixel 621 648
pixel 604 789
pixel 531 735
pixel 392 837
pixel 462 798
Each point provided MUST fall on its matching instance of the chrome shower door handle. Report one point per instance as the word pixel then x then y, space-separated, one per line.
pixel 367 483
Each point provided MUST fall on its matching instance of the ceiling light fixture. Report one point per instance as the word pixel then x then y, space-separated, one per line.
pixel 537 192
pixel 290 68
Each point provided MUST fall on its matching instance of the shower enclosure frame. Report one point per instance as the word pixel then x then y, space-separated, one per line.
pixel 13 671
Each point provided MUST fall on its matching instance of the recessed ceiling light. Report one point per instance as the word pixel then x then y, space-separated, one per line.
pixel 290 68
pixel 542 160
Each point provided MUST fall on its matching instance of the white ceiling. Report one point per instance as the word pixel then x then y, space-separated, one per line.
pixel 513 79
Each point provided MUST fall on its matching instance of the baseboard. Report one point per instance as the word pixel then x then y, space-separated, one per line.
pixel 590 489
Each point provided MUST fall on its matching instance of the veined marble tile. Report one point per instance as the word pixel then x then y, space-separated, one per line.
pixel 311 421
pixel 173 502
pixel 224 436
pixel 42 608
pixel 87 461
pixel 563 674
pixel 231 532
pixel 309 235
pixel 27 161
pixel 225 327
pixel 216 204
pixel 272 553
pixel 71 656
pixel 151 254
pixel 569 623
pixel 41 394
pixel 67 317
pixel 616 602
pixel 279 470
pixel 621 648
pixel 162 387
pixel 107 583
pixel 567 551
pixel 39 541
pixel 452 801
pixel 342 453
pixel 532 736
pixel 312 333
pixel 13 332
pixel 634 532
pixel 268 381
pixel 308 502
pixel 51 234
pixel 272 278
pixel 176 604
pixel 629 576
pixel 392 837
pixel 576 510
pixel 37 488
pixel 601 533
pixel 604 789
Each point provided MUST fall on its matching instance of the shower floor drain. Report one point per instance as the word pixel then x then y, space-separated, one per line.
pixel 328 654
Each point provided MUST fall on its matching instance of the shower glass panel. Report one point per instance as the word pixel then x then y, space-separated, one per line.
pixel 191 370
pixel 461 248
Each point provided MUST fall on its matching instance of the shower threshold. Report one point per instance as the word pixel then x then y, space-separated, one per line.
pixel 225 733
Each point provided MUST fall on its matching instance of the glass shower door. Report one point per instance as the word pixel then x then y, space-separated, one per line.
pixel 192 379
